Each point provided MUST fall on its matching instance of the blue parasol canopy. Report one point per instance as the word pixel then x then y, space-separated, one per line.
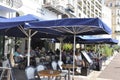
pixel 70 39
pixel 16 27
pixel 1 17
pixel 100 41
pixel 88 40
pixel 13 26
pixel 78 26
pixel 16 21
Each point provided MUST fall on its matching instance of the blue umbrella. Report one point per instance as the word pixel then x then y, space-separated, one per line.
pixel 89 40
pixel 80 26
pixel 16 27
pixel 1 17
pixel 100 41
pixel 74 26
pixel 70 39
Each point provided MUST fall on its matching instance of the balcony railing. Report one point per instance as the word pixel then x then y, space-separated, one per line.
pixel 12 3
pixel 7 2
pixel 118 14
pixel 118 23
pixel 116 31
pixel 100 1
pixel 117 5
pixel 70 7
pixel 56 8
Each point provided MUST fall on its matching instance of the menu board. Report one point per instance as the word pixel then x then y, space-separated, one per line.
pixel 87 57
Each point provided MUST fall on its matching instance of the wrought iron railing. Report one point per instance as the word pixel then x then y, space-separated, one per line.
pixel 12 3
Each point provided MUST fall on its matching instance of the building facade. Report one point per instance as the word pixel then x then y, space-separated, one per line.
pixel 107 18
pixel 115 7
pixel 89 8
pixel 8 8
pixel 52 9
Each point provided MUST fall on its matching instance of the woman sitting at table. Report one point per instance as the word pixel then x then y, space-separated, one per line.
pixel 78 60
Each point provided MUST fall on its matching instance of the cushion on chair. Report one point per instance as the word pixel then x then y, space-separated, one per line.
pixel 60 66
pixel 30 72
pixel 54 65
pixel 40 67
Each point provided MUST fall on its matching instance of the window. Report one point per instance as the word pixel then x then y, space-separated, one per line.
pixel 110 4
pixel 71 2
pixel 118 21
pixel 117 4
pixel 44 1
pixel 118 12
pixel 79 14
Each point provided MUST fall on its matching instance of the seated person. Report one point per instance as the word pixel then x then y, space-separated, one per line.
pixel 18 56
pixel 91 54
pixel 37 51
pixel 78 60
pixel 32 53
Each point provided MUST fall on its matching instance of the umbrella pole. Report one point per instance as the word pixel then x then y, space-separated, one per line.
pixel 74 48
pixel 61 40
pixel 60 51
pixel 29 43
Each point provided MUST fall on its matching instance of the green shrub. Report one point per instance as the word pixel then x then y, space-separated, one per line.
pixel 67 46
pixel 108 51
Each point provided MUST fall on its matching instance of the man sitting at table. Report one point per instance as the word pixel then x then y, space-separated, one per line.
pixel 18 57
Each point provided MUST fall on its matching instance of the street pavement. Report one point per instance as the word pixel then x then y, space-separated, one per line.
pixel 110 70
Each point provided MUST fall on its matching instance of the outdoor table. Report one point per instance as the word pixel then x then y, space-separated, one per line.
pixel 68 66
pixel 49 73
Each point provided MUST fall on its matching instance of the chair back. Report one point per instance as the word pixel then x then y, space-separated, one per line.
pixel 37 60
pixel 30 72
pixel 54 65
pixel 40 67
pixel 60 64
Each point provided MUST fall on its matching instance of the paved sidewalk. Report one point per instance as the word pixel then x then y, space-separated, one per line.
pixel 110 70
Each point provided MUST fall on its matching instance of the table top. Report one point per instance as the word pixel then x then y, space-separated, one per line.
pixel 69 66
pixel 49 73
